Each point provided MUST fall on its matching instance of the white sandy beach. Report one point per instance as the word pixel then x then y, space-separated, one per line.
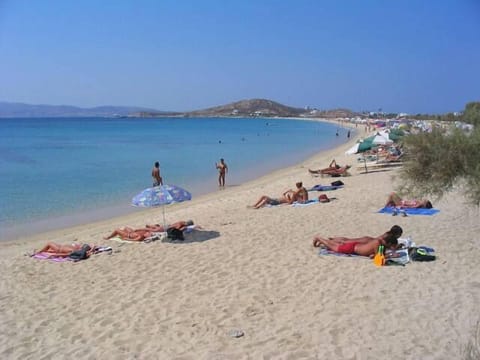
pixel 254 271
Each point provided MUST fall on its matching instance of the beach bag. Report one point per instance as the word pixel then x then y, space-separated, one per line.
pixel 323 198
pixel 420 254
pixel 80 254
pixel 337 183
pixel 175 234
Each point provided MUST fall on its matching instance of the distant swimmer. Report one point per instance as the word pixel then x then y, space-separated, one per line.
pixel 157 179
pixel 222 170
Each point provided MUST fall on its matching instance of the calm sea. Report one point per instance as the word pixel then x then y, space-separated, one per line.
pixel 64 171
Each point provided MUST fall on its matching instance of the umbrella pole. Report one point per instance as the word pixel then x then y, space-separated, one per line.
pixel 164 221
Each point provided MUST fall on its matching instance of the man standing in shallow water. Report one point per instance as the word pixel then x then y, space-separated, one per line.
pixel 157 179
pixel 222 170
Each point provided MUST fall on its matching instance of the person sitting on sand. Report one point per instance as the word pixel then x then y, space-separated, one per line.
pixel 364 246
pixel 300 195
pixel 58 250
pixel 394 200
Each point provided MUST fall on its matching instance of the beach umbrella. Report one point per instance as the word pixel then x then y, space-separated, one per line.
pixel 160 196
pixel 396 134
pixel 381 140
pixel 353 149
pixel 366 144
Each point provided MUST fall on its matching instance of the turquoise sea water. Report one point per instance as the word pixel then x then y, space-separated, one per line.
pixel 58 172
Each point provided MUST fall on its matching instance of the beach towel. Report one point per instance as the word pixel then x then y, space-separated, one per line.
pixel 190 228
pixel 308 203
pixel 119 239
pixel 398 257
pixel 325 187
pixel 99 249
pixel 324 251
pixel 409 211
pixel 46 256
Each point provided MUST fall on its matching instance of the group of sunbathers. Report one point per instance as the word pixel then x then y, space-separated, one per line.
pixel 128 233
pixel 365 245
pixel 125 233
pixel 290 196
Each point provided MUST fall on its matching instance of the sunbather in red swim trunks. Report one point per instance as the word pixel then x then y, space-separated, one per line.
pixel 347 248
pixel 364 246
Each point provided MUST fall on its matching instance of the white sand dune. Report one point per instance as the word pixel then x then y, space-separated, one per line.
pixel 254 271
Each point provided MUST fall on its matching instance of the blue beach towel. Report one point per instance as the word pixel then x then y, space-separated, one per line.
pixel 409 211
pixel 325 187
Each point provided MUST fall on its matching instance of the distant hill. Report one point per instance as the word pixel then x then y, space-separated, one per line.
pixel 253 107
pixel 243 108
pixel 10 109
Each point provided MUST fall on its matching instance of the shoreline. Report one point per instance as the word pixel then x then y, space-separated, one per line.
pixel 255 271
pixel 78 218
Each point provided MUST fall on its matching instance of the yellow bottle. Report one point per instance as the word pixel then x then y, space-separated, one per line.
pixel 379 258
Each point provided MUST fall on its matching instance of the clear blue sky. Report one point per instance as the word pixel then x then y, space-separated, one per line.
pixel 403 55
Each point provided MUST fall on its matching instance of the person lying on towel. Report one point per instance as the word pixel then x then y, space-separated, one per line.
pixel 363 246
pixel 394 200
pixel 128 233
pixel 332 169
pixel 57 250
pixel 179 225
pixel 267 200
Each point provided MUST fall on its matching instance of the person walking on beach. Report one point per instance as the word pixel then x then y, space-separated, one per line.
pixel 157 179
pixel 222 171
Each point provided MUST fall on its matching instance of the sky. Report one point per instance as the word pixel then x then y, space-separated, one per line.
pixel 414 56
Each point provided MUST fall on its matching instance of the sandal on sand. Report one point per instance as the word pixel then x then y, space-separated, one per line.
pixel 395 213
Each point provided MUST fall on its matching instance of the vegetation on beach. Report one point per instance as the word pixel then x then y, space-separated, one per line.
pixel 472 350
pixel 440 161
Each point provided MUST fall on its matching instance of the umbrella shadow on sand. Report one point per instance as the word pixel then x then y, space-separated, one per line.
pixel 196 236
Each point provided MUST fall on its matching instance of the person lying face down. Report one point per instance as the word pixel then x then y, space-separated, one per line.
pixel 394 200
pixel 364 246
pixel 57 250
